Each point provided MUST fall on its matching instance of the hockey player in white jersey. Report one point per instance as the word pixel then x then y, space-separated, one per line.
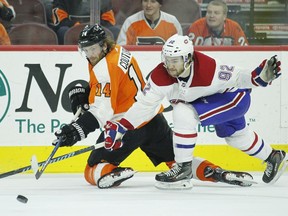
pixel 202 89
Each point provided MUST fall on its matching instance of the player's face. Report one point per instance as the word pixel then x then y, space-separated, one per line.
pixel 93 53
pixel 151 8
pixel 215 16
pixel 174 65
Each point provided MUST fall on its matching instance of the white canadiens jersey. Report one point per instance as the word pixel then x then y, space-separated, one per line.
pixel 208 76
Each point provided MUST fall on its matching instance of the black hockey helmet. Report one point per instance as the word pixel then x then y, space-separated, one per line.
pixel 91 34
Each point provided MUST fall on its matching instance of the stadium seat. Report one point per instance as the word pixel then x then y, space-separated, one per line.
pixel 71 36
pixel 28 11
pixel 32 34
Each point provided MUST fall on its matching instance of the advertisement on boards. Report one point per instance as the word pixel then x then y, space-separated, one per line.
pixel 34 99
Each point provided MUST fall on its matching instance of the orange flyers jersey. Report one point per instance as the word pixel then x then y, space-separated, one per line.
pixel 69 12
pixel 114 84
pixel 4 2
pixel 232 34
pixel 137 31
pixel 4 37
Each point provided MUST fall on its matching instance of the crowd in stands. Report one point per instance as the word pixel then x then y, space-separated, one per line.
pixel 136 22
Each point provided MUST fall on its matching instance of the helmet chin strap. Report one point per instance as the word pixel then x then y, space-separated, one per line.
pixel 186 71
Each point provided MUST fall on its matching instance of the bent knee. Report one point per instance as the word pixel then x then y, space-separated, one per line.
pixel 92 174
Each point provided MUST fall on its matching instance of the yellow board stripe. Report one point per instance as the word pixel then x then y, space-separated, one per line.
pixel 223 155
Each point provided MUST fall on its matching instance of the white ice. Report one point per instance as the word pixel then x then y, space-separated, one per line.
pixel 70 195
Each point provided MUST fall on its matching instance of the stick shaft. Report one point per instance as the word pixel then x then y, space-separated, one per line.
pixel 40 172
pixel 53 160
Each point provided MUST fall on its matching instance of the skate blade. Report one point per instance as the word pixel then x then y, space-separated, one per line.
pixel 281 170
pixel 110 180
pixel 179 185
pixel 245 181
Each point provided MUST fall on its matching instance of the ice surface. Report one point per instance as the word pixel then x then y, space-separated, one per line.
pixel 70 195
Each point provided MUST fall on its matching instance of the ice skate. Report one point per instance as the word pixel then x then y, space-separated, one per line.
pixel 276 165
pixel 115 178
pixel 178 177
pixel 242 179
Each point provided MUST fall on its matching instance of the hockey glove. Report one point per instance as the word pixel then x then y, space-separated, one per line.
pixel 267 71
pixel 114 131
pixel 79 98
pixel 70 134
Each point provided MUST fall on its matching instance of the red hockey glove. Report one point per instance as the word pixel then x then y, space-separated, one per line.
pixel 267 71
pixel 114 132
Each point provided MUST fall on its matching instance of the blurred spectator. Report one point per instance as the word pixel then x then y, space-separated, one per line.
pixel 216 29
pixel 67 13
pixel 4 37
pixel 150 26
pixel 7 12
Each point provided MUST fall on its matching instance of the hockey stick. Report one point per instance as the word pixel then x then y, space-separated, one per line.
pixel 54 160
pixel 34 164
pixel 38 172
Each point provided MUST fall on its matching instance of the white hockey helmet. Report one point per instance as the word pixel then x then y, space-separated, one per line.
pixel 178 45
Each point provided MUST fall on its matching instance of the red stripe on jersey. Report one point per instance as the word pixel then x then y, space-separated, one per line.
pixel 161 77
pixel 186 135
pixel 253 144
pixel 204 69
pixel 126 124
pixel 224 108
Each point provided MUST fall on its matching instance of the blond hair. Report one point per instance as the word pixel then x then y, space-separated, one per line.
pixel 219 3
pixel 109 42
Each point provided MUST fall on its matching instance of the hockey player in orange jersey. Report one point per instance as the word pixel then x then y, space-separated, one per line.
pixel 150 26
pixel 216 29
pixel 115 81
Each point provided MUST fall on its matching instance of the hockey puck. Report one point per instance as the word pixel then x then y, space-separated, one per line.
pixel 22 199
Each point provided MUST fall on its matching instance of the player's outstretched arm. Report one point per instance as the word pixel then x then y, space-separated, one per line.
pixel 266 72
